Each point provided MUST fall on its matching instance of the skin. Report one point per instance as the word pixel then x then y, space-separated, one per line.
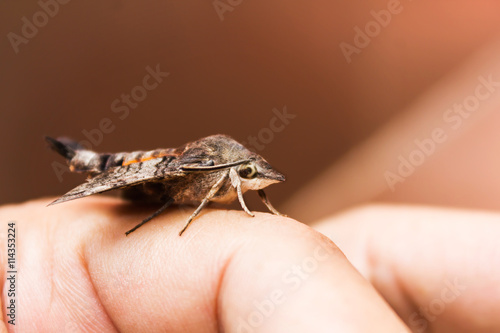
pixel 78 272
pixel 436 267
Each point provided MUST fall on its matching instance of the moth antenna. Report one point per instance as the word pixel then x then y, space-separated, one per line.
pixel 214 167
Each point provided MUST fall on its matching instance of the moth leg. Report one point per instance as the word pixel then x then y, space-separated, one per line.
pixel 155 214
pixel 196 212
pixel 266 202
pixel 215 188
pixel 236 182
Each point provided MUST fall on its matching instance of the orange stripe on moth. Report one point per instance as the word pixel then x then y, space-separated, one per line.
pixel 144 159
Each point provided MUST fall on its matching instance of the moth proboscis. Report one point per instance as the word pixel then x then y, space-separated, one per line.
pixel 215 168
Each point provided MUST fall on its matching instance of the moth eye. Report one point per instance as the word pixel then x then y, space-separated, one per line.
pixel 248 171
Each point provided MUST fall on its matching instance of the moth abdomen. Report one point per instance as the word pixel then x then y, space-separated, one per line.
pixel 79 159
pixel 63 146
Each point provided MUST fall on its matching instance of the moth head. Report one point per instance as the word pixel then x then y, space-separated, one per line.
pixel 258 174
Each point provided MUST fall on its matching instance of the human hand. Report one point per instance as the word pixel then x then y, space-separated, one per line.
pixel 228 272
pixel 438 268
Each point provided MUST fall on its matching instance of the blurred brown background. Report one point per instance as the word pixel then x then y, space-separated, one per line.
pixel 226 76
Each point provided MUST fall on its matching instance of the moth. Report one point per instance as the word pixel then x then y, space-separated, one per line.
pixel 215 168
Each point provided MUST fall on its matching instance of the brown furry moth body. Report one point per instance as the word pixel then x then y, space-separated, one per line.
pixel 216 168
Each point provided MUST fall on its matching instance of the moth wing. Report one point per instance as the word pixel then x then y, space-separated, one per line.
pixel 120 177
